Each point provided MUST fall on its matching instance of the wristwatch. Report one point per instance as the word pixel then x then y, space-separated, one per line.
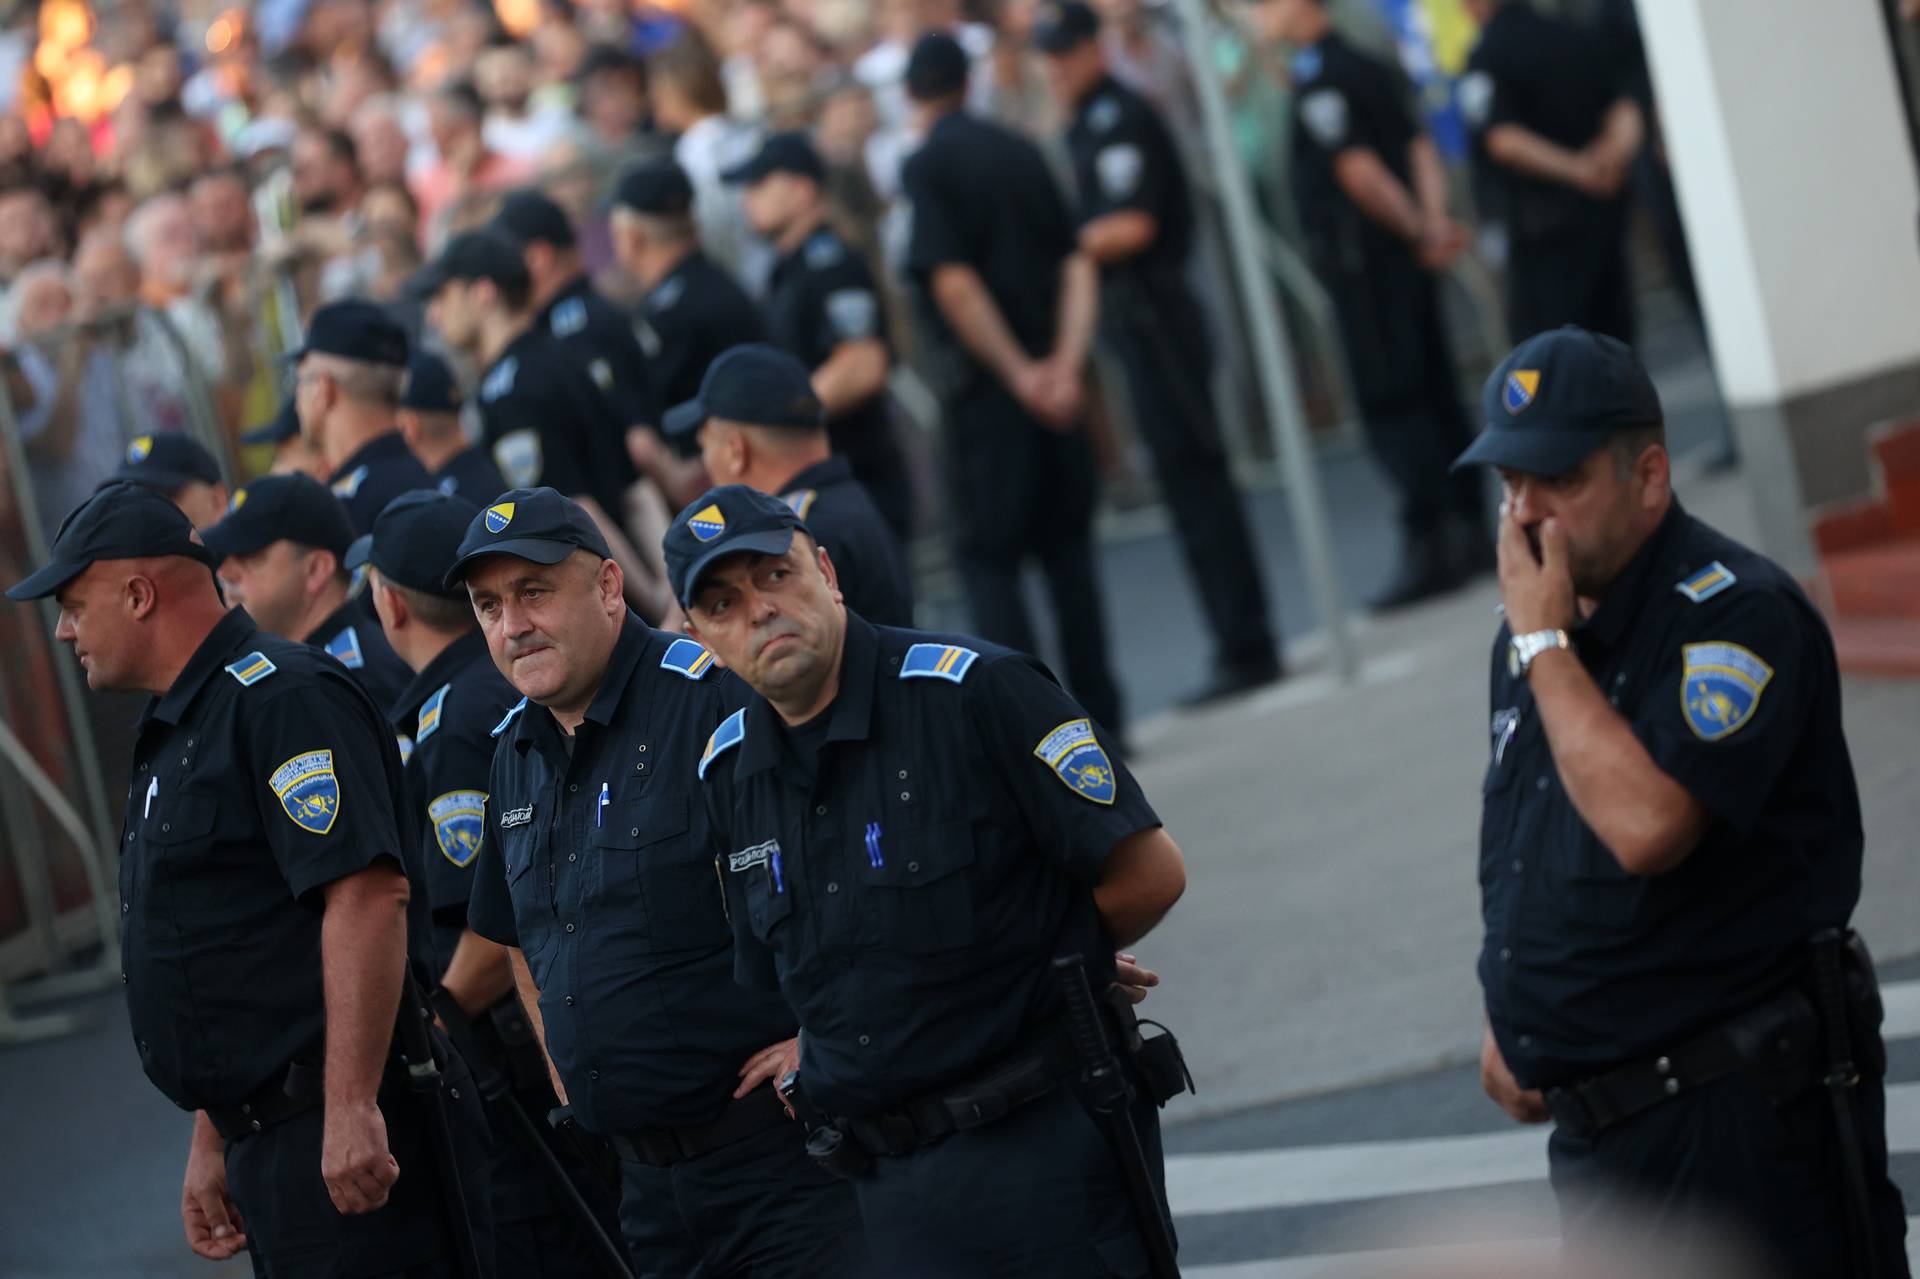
pixel 1522 649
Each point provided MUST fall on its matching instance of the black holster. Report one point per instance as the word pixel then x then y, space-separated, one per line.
pixel 1158 1062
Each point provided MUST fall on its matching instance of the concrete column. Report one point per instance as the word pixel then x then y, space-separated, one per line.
pixel 1798 189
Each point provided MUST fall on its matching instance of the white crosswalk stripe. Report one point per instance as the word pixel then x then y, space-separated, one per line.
pixel 1204 1185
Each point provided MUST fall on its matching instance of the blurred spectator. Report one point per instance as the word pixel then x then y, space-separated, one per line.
pixel 613 97
pixel 165 246
pixel 72 430
pixel 465 165
pixel 379 141
pixel 326 173
pixel 222 209
pixel 504 79
pixel 28 231
pixel 1144 55
pixel 690 104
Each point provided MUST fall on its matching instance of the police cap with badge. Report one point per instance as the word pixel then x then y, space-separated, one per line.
pixel 754 384
pixel 119 522
pixel 486 254
pixel 1559 397
pixel 430 386
pixel 273 508
pixel 538 524
pixel 729 520
pixel 167 463
pixel 414 540
pixel 530 216
pixel 354 329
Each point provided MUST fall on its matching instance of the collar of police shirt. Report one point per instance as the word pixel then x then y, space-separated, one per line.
pixel 766 744
pixel 822 474
pixel 225 636
pixel 1628 594
pixel 382 447
pixel 455 657
pixel 627 651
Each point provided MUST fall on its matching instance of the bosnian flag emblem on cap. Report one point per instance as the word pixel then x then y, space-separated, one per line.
pixel 1522 385
pixel 707 523
pixel 498 517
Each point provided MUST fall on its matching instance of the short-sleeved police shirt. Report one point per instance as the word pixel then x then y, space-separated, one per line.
pixel 1124 160
pixel 1345 99
pixel 596 866
pixel 869 563
pixel 361 646
pixel 600 338
pixel 380 470
pixel 260 777
pixel 909 894
pixel 1728 677
pixel 548 425
pixel 471 474
pixel 694 313
pixel 449 712
pixel 983 197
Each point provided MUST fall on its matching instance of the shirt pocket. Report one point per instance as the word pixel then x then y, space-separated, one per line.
pixel 647 861
pixel 768 907
pixel 921 891
pixel 528 891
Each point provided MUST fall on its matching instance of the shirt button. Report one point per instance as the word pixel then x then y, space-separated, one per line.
pixel 123 979
pixel 905 795
pixel 573 857
pixel 1506 955
pixel 1518 865
pixel 865 1040
pixel 833 888
pixel 1539 783
pixel 593 1074
pixel 643 748
pixel 125 907
pixel 820 811
pixel 568 1001
pixel 913 868
pixel 166 827
pixel 635 832
pixel 569 927
pixel 903 774
pixel 1526 1041
pixel 573 786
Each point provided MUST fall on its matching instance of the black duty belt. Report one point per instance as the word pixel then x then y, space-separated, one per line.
pixel 292 1091
pixel 1777 1035
pixel 1026 1075
pixel 758 1111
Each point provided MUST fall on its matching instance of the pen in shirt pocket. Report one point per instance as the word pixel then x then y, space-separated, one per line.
pixel 600 810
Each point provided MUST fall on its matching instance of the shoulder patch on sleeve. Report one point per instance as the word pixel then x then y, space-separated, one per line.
pixel 800 501
pixel 569 317
pixel 688 658
pixel 1103 114
pixel 1119 167
pixel 1079 761
pixel 1475 95
pixel 459 824
pixel 1720 687
pixel 669 292
pixel 1707 583
pixel 430 714
pixel 852 313
pixel 252 668
pixel 506 721
pixel 406 745
pixel 308 791
pixel 499 379
pixel 1306 64
pixel 520 457
pixel 937 661
pixel 349 484
pixel 1324 112
pixel 345 647
pixel 824 251
pixel 732 731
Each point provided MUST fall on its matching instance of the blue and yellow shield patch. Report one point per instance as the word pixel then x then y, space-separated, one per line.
pixel 1079 761
pixel 140 449
pixel 707 523
pixel 459 824
pixel 308 790
pixel 239 500
pixel 499 516
pixel 1720 688
pixel 1520 388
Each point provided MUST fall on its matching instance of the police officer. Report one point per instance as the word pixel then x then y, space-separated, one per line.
pixel 545 420
pixel 586 327
pixel 692 310
pixel 822 305
pixel 595 870
pixel 292 452
pixel 1136 221
pixel 912 827
pixel 1555 132
pixel 448 711
pixel 1669 817
pixel 1373 203
pixel 346 390
pixel 430 423
pixel 263 913
pixel 757 422
pixel 179 468
pixel 282 552
pixel 1008 305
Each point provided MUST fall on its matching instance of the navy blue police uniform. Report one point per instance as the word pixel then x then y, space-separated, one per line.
pixel 261 776
pixel 299 509
pixel 595 866
pixel 903 868
pixel 382 468
pixel 1667 1017
pixel 696 310
pixel 823 294
pixel 983 197
pixel 470 473
pixel 586 328
pixel 1566 250
pixel 1398 357
pixel 1124 160
pixel 448 712
pixel 760 386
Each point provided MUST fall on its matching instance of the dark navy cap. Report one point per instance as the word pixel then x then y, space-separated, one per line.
pixel 730 520
pixel 415 540
pixel 1558 397
pixel 754 384
pixel 167 463
pixel 485 254
pixel 429 386
pixel 936 68
pixel 354 329
pixel 535 524
pixel 278 429
pixel 530 216
pixel 780 153
pixel 294 508
pixel 658 186
pixel 119 522
pixel 1063 26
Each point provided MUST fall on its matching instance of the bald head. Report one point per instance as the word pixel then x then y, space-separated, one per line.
pixel 135 623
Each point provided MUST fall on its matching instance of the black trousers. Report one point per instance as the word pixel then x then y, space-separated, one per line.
pixel 1578 275
pixel 757 1209
pixel 1725 1158
pixel 1020 492
pixel 534 1235
pixel 294 1231
pixel 1405 383
pixel 1037 1194
pixel 1159 336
